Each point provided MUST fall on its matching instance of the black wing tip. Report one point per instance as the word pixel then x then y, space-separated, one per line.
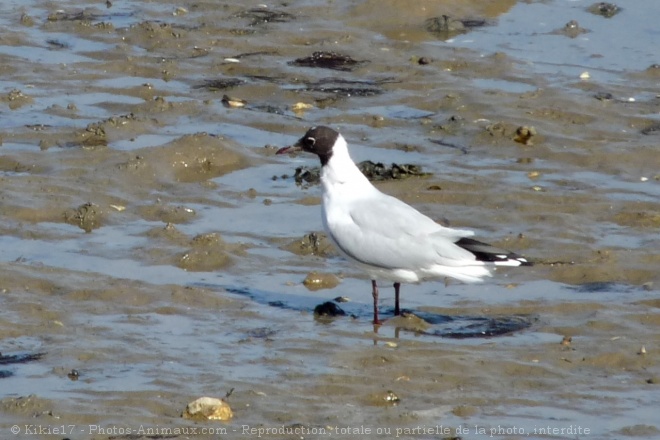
pixel 491 254
pixel 522 260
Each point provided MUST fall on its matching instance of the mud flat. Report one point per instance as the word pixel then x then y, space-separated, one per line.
pixel 154 249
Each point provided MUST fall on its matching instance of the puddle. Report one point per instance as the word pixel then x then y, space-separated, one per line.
pixel 505 86
pixel 396 111
pixel 607 50
pixel 43 55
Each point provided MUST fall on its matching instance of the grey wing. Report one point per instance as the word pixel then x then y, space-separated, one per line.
pixel 387 233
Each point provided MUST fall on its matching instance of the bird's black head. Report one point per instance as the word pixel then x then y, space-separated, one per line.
pixel 318 140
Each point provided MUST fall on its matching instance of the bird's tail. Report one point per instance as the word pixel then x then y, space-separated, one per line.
pixel 467 273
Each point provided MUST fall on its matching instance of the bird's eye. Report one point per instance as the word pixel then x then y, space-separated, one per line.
pixel 310 141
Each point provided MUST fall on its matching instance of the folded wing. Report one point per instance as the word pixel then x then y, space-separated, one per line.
pixel 386 233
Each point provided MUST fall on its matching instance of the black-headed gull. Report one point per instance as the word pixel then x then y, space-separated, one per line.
pixel 387 238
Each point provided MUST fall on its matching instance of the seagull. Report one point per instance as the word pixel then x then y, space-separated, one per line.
pixel 385 237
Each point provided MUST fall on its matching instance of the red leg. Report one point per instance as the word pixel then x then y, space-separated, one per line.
pixel 375 295
pixel 397 310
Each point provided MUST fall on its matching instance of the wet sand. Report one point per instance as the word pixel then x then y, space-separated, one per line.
pixel 154 243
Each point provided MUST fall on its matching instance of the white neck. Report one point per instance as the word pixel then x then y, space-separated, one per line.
pixel 341 171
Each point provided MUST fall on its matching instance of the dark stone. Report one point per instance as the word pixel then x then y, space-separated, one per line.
pixel 328 308
pixel 607 10
pixel 328 60
pixel 214 85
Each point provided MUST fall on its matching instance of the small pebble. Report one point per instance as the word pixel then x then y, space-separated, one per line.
pixel 328 309
pixel 585 75
pixel 301 106
pixel 229 101
pixel 524 135
pixel 208 408
pixel 391 397
pixel 318 281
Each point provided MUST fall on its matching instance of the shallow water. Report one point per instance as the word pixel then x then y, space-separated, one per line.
pixel 153 312
pixel 528 31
